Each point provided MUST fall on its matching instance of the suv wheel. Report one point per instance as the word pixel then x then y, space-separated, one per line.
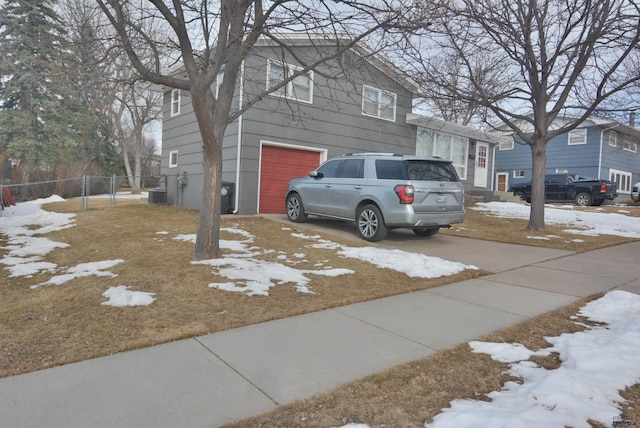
pixel 371 225
pixel 426 232
pixel 295 209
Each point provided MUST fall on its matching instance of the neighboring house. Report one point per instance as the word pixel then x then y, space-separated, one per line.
pixel 599 148
pixel 357 104
pixel 472 151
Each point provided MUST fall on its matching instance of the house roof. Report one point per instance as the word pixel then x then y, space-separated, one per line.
pixel 455 129
pixel 304 39
pixel 560 121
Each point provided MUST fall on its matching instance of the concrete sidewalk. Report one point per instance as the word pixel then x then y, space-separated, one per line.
pixel 210 380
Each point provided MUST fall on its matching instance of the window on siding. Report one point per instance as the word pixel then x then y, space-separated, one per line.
pixel 562 171
pixel 518 173
pixel 629 145
pixel 622 179
pixel 507 145
pixel 578 136
pixel 300 88
pixel 173 159
pixel 378 103
pixel 219 78
pixel 613 138
pixel 175 102
pixel 446 146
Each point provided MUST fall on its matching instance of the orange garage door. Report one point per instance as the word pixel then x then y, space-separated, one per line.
pixel 278 166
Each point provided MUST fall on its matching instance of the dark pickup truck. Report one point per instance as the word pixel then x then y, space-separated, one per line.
pixel 570 187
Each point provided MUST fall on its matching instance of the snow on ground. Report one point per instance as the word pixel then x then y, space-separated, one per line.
pixel 242 266
pixel 121 296
pixel 585 387
pixel 578 221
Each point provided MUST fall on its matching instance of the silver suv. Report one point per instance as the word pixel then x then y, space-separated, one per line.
pixel 381 192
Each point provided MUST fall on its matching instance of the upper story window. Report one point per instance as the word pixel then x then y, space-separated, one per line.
pixel 629 145
pixel 518 173
pixel 173 159
pixel 300 88
pixel 507 144
pixel 175 102
pixel 219 79
pixel 378 103
pixel 578 136
pixel 613 138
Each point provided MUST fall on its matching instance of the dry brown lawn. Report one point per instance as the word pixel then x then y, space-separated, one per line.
pixel 54 325
pixel 59 324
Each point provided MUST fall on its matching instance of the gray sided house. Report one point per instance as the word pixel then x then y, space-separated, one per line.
pixel 599 148
pixel 357 103
pixel 350 105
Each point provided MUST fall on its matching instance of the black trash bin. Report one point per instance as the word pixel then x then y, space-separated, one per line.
pixel 227 197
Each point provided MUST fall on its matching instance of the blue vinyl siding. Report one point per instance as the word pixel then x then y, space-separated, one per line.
pixel 583 159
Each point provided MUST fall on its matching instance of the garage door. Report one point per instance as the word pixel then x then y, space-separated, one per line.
pixel 278 166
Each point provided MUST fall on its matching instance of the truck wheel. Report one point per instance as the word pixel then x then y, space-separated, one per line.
pixel 521 196
pixel 295 209
pixel 371 225
pixel 583 199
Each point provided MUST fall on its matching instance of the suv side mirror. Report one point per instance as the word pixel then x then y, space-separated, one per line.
pixel 316 174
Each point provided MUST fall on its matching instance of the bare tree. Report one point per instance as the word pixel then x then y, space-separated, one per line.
pixel 214 37
pixel 530 63
pixel 121 102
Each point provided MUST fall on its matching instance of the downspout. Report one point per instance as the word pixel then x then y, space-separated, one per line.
pixel 236 195
pixel 493 166
pixel 601 146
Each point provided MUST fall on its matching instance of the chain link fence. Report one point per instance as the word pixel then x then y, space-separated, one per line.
pixel 84 188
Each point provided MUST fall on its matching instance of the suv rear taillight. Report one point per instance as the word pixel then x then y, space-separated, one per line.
pixel 405 193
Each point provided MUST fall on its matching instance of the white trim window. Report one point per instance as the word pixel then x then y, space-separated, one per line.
pixel 507 144
pixel 300 88
pixel 518 173
pixel 378 103
pixel 613 138
pixel 446 146
pixel 175 102
pixel 219 79
pixel 578 136
pixel 622 179
pixel 629 145
pixel 173 159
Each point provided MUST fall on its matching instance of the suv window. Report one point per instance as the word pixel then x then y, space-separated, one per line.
pixel 391 169
pixel 344 168
pixel 418 170
pixel 422 170
pixel 329 169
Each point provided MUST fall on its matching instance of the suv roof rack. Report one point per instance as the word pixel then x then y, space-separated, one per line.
pixel 375 154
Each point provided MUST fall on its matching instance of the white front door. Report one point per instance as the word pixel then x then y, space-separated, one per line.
pixel 482 161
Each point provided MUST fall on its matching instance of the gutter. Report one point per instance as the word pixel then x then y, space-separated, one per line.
pixel 236 195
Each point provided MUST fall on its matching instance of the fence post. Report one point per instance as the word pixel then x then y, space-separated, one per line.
pixel 83 192
pixel 113 191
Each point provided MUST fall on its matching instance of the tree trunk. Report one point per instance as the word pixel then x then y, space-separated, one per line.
pixel 539 156
pixel 207 239
pixel 137 167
